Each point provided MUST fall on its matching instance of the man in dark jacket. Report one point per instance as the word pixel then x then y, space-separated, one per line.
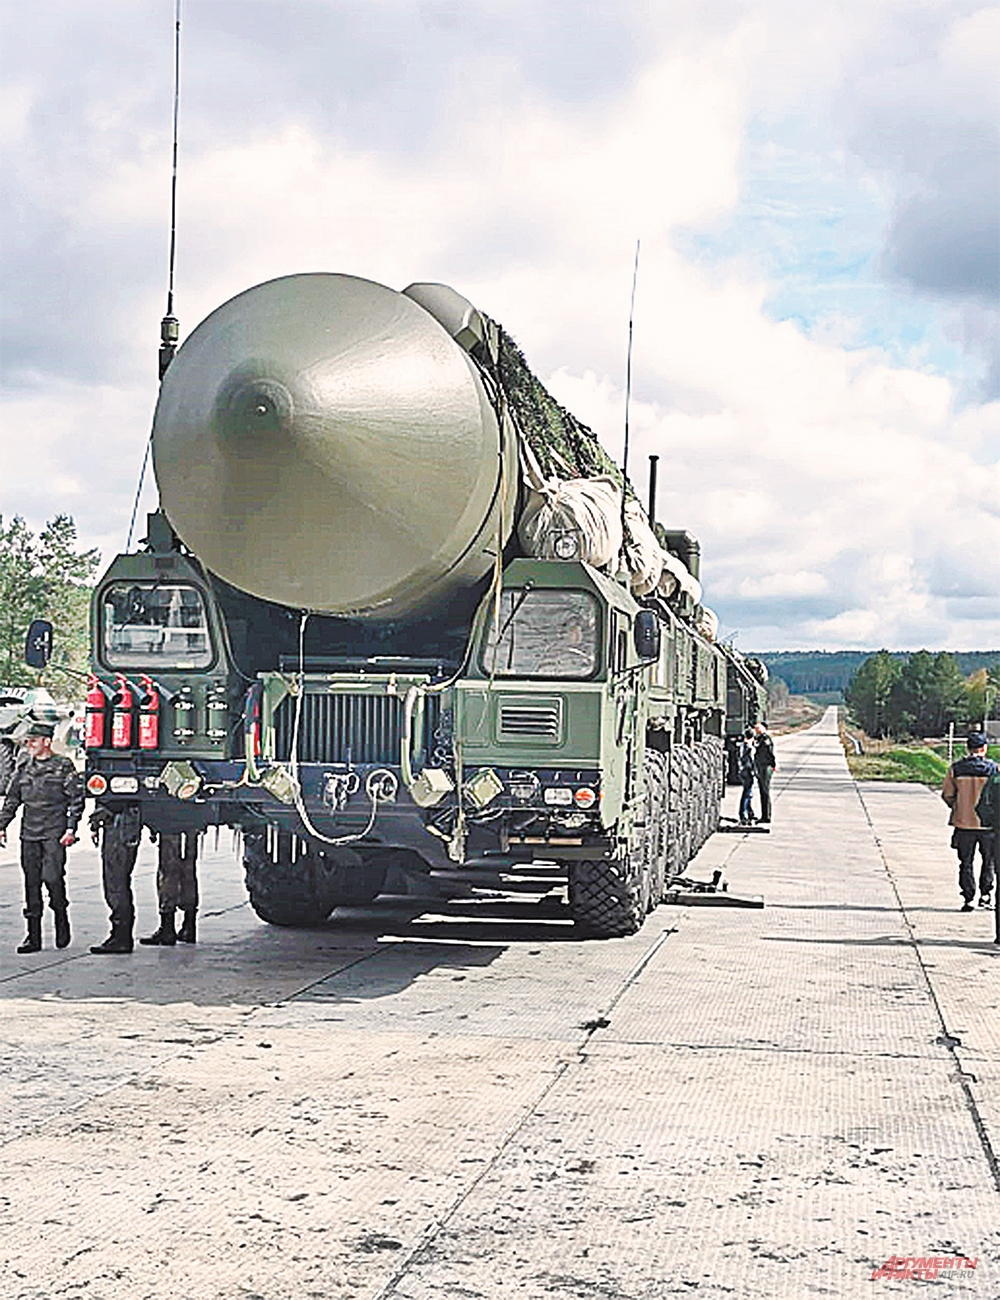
pixel 745 771
pixel 50 794
pixel 962 788
pixel 766 765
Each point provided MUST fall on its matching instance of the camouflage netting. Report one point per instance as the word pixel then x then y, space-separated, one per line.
pixel 564 447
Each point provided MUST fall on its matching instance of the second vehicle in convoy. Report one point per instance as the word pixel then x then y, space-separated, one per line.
pixel 394 612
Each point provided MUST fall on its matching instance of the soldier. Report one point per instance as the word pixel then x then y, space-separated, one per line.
pixel 962 789
pixel 745 771
pixel 176 887
pixel 766 765
pixel 118 834
pixel 50 794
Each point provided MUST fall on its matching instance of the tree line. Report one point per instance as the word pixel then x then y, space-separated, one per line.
pixel 810 672
pixel 45 576
pixel 920 695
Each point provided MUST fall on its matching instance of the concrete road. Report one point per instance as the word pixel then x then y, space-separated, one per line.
pixel 425 1101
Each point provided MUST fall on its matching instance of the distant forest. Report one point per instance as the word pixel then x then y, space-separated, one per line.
pixel 827 672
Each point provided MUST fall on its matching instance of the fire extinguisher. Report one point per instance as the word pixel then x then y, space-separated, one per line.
pixel 121 713
pixel 149 714
pixel 251 719
pixel 96 705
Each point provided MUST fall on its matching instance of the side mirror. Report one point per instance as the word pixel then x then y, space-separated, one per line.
pixel 646 632
pixel 38 643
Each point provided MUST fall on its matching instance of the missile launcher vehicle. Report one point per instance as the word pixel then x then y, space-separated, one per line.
pixel 398 609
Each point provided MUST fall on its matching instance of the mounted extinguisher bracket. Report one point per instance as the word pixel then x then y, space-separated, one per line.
pixel 149 713
pixel 252 724
pixel 122 705
pixel 96 713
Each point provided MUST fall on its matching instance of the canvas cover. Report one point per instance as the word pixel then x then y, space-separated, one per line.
pixel 708 624
pixel 587 509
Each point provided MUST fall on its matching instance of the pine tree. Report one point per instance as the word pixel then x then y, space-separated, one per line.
pixel 929 695
pixel 868 692
pixel 45 577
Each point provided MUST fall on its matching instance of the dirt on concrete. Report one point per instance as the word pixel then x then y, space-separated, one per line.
pixel 423 1100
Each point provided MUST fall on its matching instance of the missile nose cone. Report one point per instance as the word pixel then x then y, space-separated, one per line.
pixel 320 441
pixel 251 408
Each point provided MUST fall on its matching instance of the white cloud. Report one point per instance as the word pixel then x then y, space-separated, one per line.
pixel 840 498
pixel 774 585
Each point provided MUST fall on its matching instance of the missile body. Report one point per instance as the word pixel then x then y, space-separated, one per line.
pixel 322 442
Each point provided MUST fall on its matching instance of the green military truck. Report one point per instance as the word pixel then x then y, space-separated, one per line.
pixel 398 609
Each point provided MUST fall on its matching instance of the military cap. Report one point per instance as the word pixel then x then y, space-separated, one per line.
pixel 41 729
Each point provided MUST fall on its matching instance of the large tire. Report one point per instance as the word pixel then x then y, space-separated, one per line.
pixel 674 814
pixel 685 808
pixel 609 899
pixel 303 892
pixel 697 799
pixel 657 825
pixel 717 789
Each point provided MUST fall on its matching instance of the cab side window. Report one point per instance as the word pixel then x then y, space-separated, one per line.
pixel 621 653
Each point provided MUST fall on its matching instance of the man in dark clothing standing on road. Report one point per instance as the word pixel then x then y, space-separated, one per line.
pixel 961 791
pixel 745 771
pixel 49 792
pixel 766 765
pixel 118 834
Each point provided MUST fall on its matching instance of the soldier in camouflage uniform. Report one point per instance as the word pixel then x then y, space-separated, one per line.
pixel 50 794
pixel 176 887
pixel 118 834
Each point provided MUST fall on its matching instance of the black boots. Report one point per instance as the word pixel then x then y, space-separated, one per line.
pixel 166 935
pixel 33 941
pixel 62 927
pixel 119 940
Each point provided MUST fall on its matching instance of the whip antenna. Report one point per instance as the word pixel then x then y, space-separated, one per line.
pixel 628 389
pixel 170 326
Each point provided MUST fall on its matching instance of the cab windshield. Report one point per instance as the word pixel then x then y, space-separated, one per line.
pixel 552 633
pixel 162 625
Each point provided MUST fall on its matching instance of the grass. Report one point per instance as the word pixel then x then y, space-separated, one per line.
pixel 910 764
pixel 940 747
pixel 925 762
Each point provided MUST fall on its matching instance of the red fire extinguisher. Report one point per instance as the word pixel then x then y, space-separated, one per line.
pixel 96 705
pixel 121 713
pixel 251 714
pixel 149 714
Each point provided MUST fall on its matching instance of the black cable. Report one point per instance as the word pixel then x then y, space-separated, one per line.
pixel 628 390
pixel 169 325
pixel 138 491
pixel 173 178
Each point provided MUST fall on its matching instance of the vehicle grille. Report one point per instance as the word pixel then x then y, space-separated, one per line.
pixel 341 728
pixel 542 721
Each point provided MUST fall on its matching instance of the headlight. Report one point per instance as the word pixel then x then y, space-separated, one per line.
pixel 558 796
pixel 124 785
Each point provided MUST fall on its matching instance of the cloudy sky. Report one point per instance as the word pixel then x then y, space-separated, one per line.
pixel 815 188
